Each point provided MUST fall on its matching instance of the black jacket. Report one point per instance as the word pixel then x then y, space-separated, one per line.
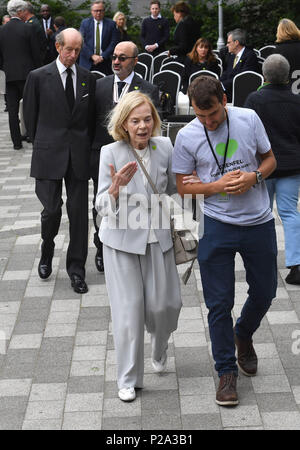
pixel 58 134
pixel 185 35
pixel 190 68
pixel 248 61
pixel 19 50
pixel 291 51
pixel 279 110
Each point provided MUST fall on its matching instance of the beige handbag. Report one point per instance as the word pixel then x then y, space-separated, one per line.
pixel 184 243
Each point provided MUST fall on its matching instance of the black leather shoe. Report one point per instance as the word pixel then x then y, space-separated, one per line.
pixel 99 262
pixel 45 267
pixel 78 284
pixel 18 147
pixel 294 275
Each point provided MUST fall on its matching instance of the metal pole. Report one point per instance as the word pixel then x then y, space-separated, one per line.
pixel 220 42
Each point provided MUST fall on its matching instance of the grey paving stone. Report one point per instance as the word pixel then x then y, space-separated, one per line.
pixel 161 422
pixel 85 384
pixel 51 374
pixel 201 422
pixel 82 421
pixel 122 423
pixel 276 402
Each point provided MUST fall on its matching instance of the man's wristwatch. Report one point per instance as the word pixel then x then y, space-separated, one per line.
pixel 259 177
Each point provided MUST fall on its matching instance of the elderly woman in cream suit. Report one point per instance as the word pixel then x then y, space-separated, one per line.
pixel 141 275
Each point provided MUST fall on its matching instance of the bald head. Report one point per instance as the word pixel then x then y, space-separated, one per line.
pixel 68 45
pixel 129 51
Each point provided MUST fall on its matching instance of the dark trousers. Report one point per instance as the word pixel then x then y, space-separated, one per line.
pixel 49 193
pixel 94 171
pixel 14 93
pixel 258 249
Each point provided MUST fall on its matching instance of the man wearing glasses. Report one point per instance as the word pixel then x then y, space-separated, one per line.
pixel 109 90
pixel 241 59
pixel 100 37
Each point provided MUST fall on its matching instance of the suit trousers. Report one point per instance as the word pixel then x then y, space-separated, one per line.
pixel 143 290
pixel 14 93
pixel 49 192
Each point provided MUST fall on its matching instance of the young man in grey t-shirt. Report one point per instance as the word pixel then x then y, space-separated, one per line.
pixel 231 154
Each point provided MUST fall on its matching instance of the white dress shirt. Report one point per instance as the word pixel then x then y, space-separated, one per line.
pixel 63 74
pixel 128 82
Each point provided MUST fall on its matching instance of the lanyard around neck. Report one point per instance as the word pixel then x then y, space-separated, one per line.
pixel 221 168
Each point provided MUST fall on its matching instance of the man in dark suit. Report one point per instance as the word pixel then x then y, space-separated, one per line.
pixel 19 54
pixel 49 30
pixel 100 37
pixel 59 116
pixel 29 17
pixel 108 92
pixel 240 60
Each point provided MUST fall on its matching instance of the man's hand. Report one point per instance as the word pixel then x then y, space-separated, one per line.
pixel 97 59
pixel 240 184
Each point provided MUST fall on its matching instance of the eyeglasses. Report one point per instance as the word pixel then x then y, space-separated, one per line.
pixel 121 57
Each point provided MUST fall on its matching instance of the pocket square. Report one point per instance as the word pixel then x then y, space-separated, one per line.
pixel 84 95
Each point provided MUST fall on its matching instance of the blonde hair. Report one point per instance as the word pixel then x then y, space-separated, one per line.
pixel 287 30
pixel 123 109
pixel 117 15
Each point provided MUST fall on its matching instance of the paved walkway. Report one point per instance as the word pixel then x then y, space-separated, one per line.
pixel 57 361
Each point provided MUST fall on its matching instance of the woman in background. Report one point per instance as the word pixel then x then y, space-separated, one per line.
pixel 288 45
pixel 120 20
pixel 201 57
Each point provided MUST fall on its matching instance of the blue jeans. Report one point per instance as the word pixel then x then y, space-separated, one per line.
pixel 258 249
pixel 287 194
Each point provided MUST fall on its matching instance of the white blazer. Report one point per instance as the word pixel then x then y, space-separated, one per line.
pixel 127 239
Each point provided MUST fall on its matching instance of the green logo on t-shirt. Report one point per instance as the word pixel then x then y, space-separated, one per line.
pixel 232 148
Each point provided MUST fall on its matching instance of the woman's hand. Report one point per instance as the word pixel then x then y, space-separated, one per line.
pixel 121 178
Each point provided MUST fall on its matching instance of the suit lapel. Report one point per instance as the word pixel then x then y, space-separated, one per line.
pixel 135 84
pixel 57 86
pixel 81 86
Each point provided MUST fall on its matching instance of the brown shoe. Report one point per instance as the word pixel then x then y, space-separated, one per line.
pixel 246 356
pixel 226 393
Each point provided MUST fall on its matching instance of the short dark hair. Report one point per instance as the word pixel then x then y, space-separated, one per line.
pixel 155 2
pixel 204 89
pixel 59 21
pixel 181 7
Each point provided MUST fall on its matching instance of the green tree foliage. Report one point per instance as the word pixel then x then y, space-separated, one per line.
pixel 258 18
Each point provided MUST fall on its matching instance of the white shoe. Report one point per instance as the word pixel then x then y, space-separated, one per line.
pixel 127 394
pixel 161 365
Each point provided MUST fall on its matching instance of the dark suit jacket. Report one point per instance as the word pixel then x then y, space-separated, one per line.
pixel 104 104
pixel 19 50
pixel 50 54
pixel 186 34
pixel 57 133
pixel 248 61
pixel 40 35
pixel 109 39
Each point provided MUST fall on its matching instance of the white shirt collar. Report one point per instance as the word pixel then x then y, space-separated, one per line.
pixel 62 68
pixel 96 21
pixel 158 17
pixel 240 53
pixel 127 80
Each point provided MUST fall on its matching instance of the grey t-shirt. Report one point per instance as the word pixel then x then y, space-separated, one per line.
pixel 247 138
